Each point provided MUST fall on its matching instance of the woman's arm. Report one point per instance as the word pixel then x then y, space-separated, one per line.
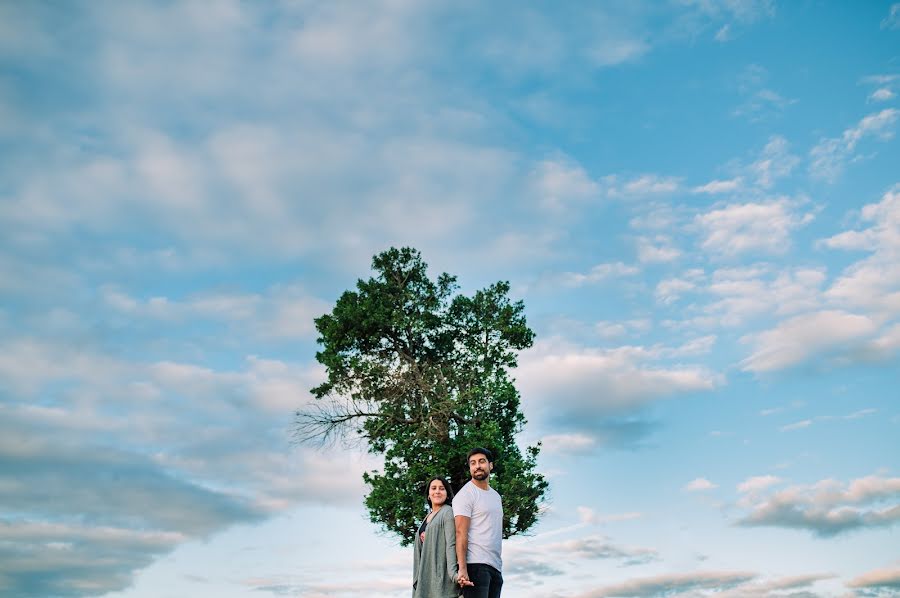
pixel 448 526
pixel 417 554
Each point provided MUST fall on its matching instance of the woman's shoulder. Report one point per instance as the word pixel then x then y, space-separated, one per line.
pixel 445 512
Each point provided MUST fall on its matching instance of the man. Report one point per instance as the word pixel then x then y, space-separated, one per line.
pixel 479 529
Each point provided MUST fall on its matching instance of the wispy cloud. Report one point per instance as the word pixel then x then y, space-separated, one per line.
pixel 598 273
pixel 884 580
pixel 589 548
pixel 699 485
pixel 735 15
pixel 719 186
pixel 830 156
pixel 775 162
pixel 757 483
pixel 892 20
pixel 657 250
pixel 806 423
pixel 671 289
pixel 643 186
pixel 672 583
pixel 882 94
pixel 568 443
pixel 760 100
pixel 284 311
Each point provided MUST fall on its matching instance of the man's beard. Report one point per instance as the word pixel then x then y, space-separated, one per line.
pixel 480 475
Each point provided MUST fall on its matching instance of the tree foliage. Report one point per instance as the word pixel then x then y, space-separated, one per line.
pixel 421 375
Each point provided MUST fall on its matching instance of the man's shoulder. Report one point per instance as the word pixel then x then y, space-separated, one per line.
pixel 466 492
pixel 468 488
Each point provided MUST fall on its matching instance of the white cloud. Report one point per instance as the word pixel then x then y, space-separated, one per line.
pixel 596 547
pixel 724 33
pixel 598 273
pixel 797 425
pixel 554 558
pixel 560 182
pixel 750 227
pixel 872 283
pixel 830 156
pixel 589 516
pixel 740 295
pixel 761 102
pixel 613 51
pixel 657 250
pixel 775 162
pixel 773 587
pixel 887 343
pixel 699 485
pixel 672 583
pixel 657 216
pixel 828 507
pixel 882 94
pixel 701 345
pixel 881 79
pixel 716 187
pixel 568 443
pixel 886 579
pixel 670 290
pixel 757 484
pixel 742 11
pixel 617 329
pixel 284 311
pixel 892 20
pixel 805 337
pixel 819 418
pixel 745 292
pixel 43 558
pixel 27 364
pixel 643 186
pixel 579 384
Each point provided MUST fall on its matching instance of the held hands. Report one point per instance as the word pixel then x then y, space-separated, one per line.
pixel 463 579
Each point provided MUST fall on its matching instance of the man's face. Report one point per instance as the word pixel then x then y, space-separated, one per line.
pixel 480 467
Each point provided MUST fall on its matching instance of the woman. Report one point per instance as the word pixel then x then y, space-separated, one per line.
pixel 434 559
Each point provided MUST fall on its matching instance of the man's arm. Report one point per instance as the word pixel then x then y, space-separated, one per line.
pixel 462 545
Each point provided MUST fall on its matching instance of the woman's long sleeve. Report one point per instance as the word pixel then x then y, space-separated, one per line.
pixel 449 529
pixel 417 555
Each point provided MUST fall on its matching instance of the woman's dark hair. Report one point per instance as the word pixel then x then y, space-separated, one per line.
pixel 447 487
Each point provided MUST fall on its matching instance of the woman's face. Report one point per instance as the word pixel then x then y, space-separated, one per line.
pixel 437 493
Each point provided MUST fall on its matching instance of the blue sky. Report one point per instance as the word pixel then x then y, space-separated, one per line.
pixel 697 200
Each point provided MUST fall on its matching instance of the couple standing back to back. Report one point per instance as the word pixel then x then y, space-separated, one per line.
pixel 457 549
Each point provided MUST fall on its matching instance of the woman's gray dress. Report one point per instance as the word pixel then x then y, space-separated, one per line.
pixel 434 562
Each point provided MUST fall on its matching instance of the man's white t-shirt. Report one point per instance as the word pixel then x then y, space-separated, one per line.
pixel 485 510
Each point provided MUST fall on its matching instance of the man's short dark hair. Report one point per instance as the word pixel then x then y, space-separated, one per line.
pixel 478 450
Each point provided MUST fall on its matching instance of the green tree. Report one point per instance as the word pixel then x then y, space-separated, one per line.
pixel 422 375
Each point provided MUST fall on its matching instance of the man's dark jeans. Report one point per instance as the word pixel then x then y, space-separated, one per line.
pixel 487 580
